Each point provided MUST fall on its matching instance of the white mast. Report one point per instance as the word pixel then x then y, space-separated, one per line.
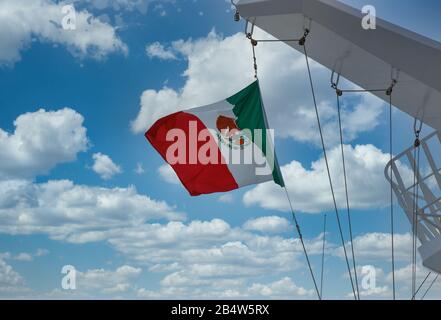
pixel 368 58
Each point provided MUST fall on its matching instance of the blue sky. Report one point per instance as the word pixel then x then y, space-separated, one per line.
pixel 72 194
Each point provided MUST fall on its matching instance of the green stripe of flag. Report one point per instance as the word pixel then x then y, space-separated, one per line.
pixel 248 108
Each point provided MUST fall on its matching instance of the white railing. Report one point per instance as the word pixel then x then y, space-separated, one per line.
pixel 428 187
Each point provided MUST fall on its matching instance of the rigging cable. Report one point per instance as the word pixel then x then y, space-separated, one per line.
pixel 421 285
pixel 392 231
pixel 388 91
pixel 413 225
pixel 430 287
pixel 302 42
pixel 303 244
pixel 338 94
pixel 323 256
pixel 416 164
pixel 294 217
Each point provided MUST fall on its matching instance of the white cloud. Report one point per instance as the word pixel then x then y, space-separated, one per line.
pixel 24 20
pixel 11 282
pixel 183 286
pixel 380 287
pixel 157 50
pixel 41 253
pixel 271 224
pixel 104 166
pixel 197 254
pixel 24 256
pixel 165 102
pixel 167 174
pixel 281 289
pixel 404 274
pixel 310 191
pixel 139 170
pixel 193 256
pixel 226 198
pixel 141 6
pixel 199 258
pixel 75 213
pixel 403 279
pixel 376 292
pixel 218 67
pixel 377 246
pixel 108 281
pixel 371 283
pixel 40 141
pixel 99 283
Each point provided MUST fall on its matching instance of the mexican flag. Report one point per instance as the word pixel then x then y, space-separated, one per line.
pixel 221 146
